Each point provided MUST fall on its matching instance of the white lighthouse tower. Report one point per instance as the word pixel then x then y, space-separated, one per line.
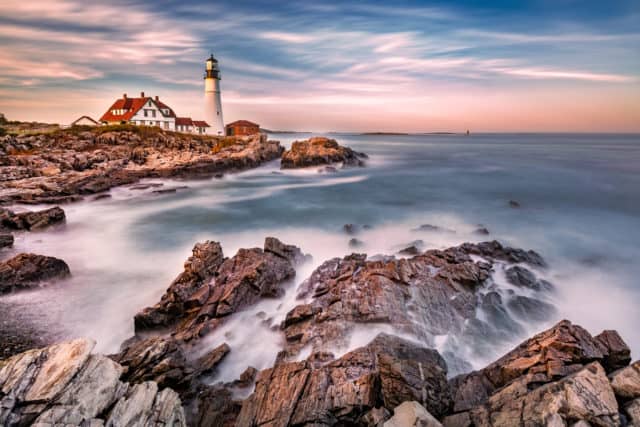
pixel 213 103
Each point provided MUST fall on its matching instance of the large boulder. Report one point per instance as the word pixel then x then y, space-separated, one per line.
pixel 26 271
pixel 319 151
pixel 321 391
pixel 31 220
pixel 65 384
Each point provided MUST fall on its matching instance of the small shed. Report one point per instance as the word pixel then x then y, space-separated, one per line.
pixel 242 127
pixel 85 121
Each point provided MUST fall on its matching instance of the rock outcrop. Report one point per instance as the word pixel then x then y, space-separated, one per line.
pixel 213 287
pixel 10 220
pixel 437 292
pixel 318 151
pixel 65 384
pixel 66 165
pixel 559 375
pixel 321 391
pixel 30 270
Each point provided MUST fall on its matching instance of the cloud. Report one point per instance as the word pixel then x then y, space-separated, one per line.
pixel 287 37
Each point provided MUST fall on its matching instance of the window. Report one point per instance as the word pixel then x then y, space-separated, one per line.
pixel 145 112
pixel 153 113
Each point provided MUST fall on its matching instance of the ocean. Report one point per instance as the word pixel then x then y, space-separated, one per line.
pixel 579 197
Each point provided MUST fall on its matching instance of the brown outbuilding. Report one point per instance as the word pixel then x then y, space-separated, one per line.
pixel 242 127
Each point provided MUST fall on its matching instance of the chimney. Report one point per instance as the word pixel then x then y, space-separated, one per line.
pixel 124 95
pixel 141 94
pixel 157 98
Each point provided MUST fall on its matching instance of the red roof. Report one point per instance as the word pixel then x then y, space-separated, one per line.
pixel 243 123
pixel 201 124
pixel 164 106
pixel 184 121
pixel 131 107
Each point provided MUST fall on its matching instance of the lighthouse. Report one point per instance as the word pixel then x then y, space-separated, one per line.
pixel 213 103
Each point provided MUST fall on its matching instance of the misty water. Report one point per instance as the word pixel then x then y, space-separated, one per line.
pixel 580 209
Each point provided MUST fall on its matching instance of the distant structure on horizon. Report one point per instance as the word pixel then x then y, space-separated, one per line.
pixel 213 102
pixel 148 111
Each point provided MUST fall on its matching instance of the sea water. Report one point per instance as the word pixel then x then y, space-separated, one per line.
pixel 579 197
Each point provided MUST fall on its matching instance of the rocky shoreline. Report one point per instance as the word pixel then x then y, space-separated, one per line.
pixel 67 165
pixel 422 316
pixel 559 377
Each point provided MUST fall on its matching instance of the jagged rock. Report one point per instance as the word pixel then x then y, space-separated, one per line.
pixel 412 414
pixel 616 352
pixel 144 405
pixel 387 371
pixel 164 361
pixel 31 220
pixel 433 293
pixel 496 250
pixel 65 385
pixel 319 151
pixel 626 381
pixel 6 240
pixel 198 270
pixel 29 270
pixel 289 252
pixel 553 353
pixel 584 395
pixel 213 287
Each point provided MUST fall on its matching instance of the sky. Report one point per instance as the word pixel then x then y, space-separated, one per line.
pixel 495 66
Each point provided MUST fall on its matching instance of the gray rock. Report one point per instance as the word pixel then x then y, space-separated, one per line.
pixel 626 381
pixel 65 385
pixel 411 414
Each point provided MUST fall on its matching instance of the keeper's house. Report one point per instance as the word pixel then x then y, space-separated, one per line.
pixel 148 111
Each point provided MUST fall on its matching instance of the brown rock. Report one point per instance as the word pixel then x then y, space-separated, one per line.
pixel 31 220
pixel 198 270
pixel 552 354
pixel 616 352
pixel 388 370
pixel 29 270
pixel 583 396
pixel 319 151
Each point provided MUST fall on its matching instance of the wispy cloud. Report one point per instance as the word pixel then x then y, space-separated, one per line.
pixel 332 55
